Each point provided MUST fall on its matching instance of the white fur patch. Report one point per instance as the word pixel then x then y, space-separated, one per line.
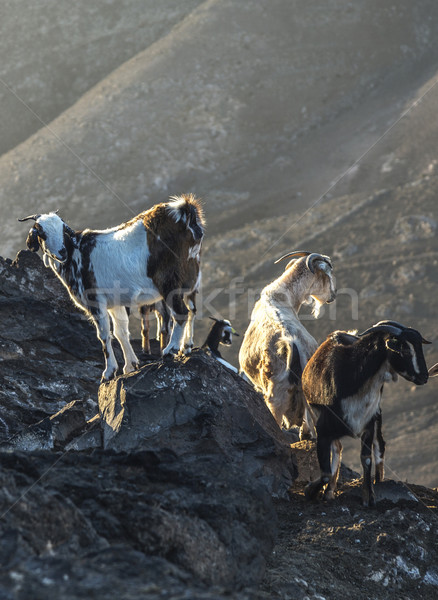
pixel 194 251
pixel 53 227
pixel 360 408
pixel 120 267
pixel 414 358
pixel 378 458
pixel 174 208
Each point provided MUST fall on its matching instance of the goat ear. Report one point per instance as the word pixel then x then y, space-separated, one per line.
pixel 394 345
pixel 32 241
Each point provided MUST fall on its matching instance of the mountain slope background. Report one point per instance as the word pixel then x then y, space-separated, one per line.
pixel 302 126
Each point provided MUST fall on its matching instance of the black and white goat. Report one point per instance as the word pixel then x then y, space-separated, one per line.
pixel 343 384
pixel 154 256
pixel 276 346
pixel 221 332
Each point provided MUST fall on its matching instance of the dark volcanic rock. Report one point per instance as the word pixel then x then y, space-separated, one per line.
pixel 75 522
pixel 49 353
pixel 196 406
pixel 178 499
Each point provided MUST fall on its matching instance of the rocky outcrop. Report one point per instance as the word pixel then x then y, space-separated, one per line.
pixel 173 476
pixel 195 406
pixel 49 353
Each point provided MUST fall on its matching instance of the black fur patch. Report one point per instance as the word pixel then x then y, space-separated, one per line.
pixel 87 244
pixel 337 371
pixel 295 371
pixel 214 338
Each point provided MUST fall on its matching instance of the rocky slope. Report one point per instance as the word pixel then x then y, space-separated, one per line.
pixel 173 482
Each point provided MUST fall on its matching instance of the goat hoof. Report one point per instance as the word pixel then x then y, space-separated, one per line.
pixel 369 502
pixel 379 477
pixel 105 379
pixel 108 374
pixel 170 351
pixel 290 436
pixel 311 490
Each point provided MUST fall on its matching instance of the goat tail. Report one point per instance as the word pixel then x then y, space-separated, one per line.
pixel 288 351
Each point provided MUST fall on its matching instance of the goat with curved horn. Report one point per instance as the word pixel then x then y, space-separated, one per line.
pixel 276 346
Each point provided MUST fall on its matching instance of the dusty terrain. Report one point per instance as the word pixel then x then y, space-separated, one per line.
pixel 343 550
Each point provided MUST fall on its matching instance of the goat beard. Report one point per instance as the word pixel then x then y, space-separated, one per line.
pixel 315 304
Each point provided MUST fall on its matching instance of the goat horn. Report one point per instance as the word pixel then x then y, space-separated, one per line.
pixel 296 254
pixel 392 323
pixel 398 326
pixel 384 326
pixel 315 256
pixel 433 371
pixel 30 217
pixel 214 319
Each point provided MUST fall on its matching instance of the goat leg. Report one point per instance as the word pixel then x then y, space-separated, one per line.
pixel 179 312
pixel 323 447
pixel 336 449
pixel 379 449
pixel 145 335
pixel 368 497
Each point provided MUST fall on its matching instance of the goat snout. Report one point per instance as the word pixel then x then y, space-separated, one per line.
pixel 332 297
pixel 421 379
pixel 60 257
pixel 63 254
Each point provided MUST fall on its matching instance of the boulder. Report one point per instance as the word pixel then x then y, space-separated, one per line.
pixel 195 406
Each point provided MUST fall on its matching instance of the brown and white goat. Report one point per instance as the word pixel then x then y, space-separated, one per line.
pixel 154 256
pixel 276 346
